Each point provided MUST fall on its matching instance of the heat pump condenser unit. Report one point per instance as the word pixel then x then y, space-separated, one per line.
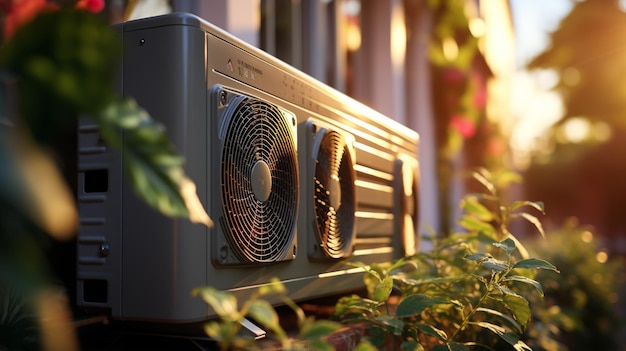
pixel 299 179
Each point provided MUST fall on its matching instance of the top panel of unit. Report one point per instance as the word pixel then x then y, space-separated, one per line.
pixel 305 87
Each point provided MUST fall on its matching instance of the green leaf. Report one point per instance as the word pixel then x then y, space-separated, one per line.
pixel 223 303
pixel 263 313
pixel 319 345
pixel 538 205
pixel 534 221
pixel 413 305
pixel 503 178
pixel 455 346
pixel 483 176
pixel 477 257
pixel 535 263
pixel 411 346
pixel 223 331
pixel 315 330
pixel 473 207
pixel 154 167
pixel 474 224
pixel 403 262
pixel 365 345
pixel 391 324
pixel 525 280
pixel 382 290
pixel 432 331
pixel 512 322
pixel 507 245
pixel 519 307
pixel 377 335
pixel 511 338
pixel 495 265
pixel 355 306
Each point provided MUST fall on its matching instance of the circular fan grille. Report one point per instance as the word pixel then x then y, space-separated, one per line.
pixel 334 198
pixel 260 181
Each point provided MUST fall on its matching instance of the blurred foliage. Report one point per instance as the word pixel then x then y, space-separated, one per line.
pixel 58 64
pixel 584 305
pixel 311 335
pixel 586 51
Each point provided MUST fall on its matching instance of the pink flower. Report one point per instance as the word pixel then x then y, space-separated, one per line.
pixel 465 127
pixel 20 12
pixel 453 76
pixel 93 6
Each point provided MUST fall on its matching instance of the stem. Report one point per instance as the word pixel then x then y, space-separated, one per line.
pixel 469 316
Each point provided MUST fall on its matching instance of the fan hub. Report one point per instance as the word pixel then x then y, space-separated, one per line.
pixel 261 179
pixel 335 192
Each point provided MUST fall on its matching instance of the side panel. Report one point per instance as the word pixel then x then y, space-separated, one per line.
pixel 163 258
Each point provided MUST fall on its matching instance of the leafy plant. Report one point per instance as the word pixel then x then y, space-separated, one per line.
pixel 471 290
pixel 227 331
pixel 583 307
pixel 58 63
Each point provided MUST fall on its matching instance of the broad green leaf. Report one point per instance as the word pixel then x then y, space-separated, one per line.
pixel 377 335
pixel 512 322
pixel 511 338
pixel 213 330
pixel 263 313
pixel 538 205
pixel 504 178
pixel 411 346
pixel 495 265
pixel 473 207
pixel 391 324
pixel 365 345
pixel 223 331
pixel 315 330
pixel 484 177
pixel 525 280
pixel 403 262
pixel 477 257
pixel 518 306
pixel 154 167
pixel 349 306
pixel 432 331
pixel 455 346
pixel 535 263
pixel 319 345
pixel 224 303
pixel 382 290
pixel 494 328
pixel 474 224
pixel 520 247
pixel 413 305
pixel 534 221
pixel 507 245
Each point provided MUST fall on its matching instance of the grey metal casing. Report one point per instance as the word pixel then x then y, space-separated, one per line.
pixel 172 65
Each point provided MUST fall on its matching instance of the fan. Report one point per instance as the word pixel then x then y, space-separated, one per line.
pixel 259 178
pixel 334 194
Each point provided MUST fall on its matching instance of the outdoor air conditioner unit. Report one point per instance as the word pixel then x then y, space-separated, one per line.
pixel 300 180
